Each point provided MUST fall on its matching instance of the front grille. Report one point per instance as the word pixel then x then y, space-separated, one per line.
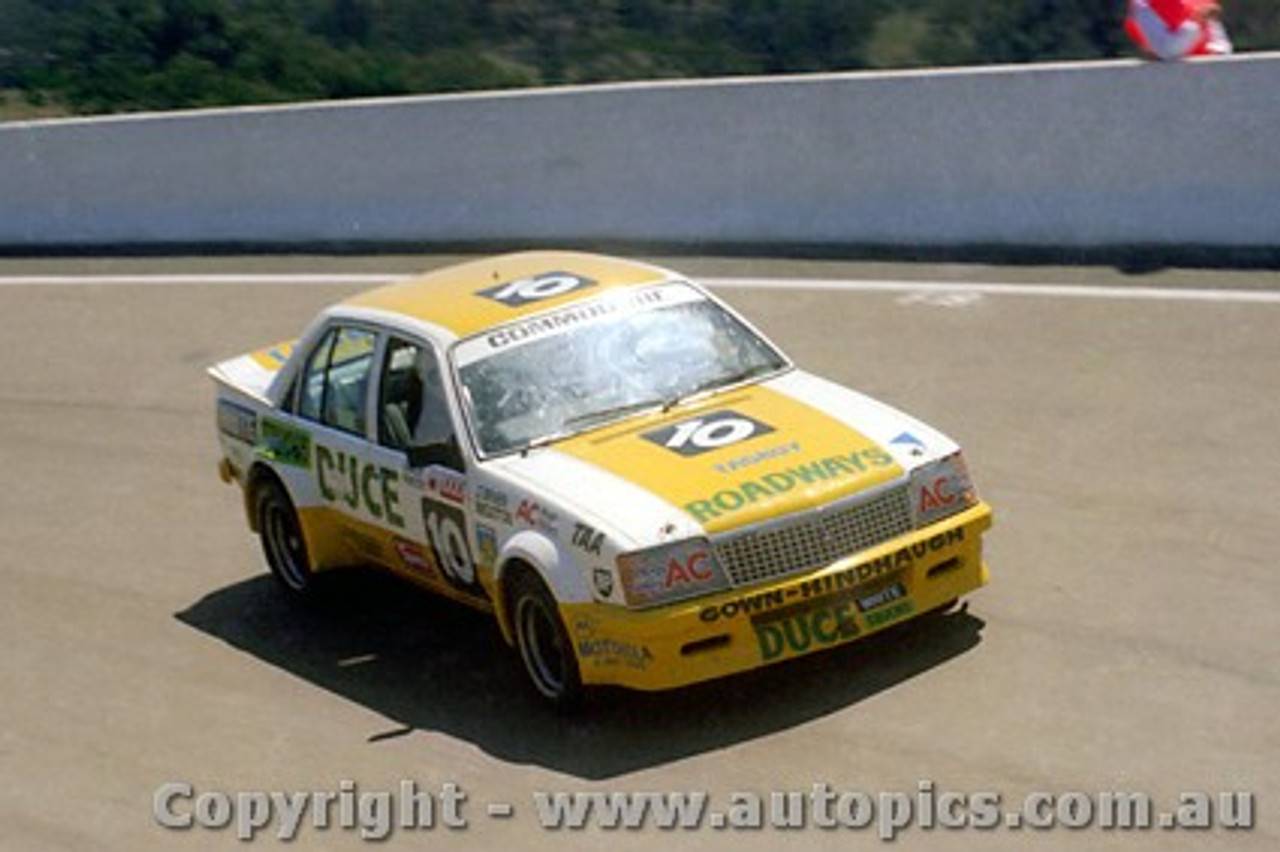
pixel 814 539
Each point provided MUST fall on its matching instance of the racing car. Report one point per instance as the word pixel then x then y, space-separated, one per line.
pixel 638 485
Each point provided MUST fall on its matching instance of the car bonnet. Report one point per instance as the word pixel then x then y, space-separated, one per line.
pixel 733 460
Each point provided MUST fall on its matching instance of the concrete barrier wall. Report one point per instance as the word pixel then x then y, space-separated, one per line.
pixel 1082 155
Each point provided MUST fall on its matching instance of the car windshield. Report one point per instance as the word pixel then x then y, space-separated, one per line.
pixel 577 368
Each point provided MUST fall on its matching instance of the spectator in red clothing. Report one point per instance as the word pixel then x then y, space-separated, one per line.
pixel 1176 29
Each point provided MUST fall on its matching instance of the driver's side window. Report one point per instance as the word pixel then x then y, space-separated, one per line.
pixel 413 410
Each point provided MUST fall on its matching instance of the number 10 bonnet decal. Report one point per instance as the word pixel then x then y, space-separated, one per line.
pixel 708 432
pixel 548 285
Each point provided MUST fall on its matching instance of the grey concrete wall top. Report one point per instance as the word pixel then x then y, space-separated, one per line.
pixel 1085 154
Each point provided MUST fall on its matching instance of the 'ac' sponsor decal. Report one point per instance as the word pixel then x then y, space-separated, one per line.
pixel 547 285
pixel 536 516
pixel 936 497
pixel 940 490
pixel 658 576
pixel 707 432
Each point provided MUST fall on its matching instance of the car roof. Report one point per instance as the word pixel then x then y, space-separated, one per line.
pixel 462 298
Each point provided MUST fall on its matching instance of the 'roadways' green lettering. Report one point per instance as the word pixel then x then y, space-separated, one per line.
pixel 729 500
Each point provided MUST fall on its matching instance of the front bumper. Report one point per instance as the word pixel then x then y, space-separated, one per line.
pixel 744 629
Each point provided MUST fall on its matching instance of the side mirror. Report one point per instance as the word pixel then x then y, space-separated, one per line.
pixel 441 453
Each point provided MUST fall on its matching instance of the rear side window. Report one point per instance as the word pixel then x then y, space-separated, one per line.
pixel 334 385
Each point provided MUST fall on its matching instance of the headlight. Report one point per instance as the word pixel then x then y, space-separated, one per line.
pixel 670 572
pixel 941 489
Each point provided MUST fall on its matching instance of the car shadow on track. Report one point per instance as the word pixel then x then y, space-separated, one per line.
pixel 430 665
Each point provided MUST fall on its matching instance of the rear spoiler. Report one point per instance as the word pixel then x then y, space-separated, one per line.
pixel 253 372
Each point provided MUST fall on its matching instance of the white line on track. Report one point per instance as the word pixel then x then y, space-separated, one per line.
pixel 1056 291
pixel 194 279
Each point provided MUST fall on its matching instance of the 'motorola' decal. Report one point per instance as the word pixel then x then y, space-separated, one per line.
pixel 742 459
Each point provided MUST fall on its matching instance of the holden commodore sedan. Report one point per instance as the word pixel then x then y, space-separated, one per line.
pixel 638 486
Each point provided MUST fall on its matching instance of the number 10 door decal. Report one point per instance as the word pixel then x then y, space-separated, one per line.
pixel 446 529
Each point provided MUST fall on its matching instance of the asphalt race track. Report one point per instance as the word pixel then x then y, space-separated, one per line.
pixel 1121 425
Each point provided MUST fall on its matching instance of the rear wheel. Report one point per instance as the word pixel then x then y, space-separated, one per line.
pixel 282 543
pixel 544 645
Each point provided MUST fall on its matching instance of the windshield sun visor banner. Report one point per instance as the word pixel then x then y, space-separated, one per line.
pixel 554 322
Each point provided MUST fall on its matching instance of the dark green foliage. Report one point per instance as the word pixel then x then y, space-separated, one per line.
pixel 118 55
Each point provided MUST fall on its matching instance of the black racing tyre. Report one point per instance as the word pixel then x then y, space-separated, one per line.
pixel 283 544
pixel 544 644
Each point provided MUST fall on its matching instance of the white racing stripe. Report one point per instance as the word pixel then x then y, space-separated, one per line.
pixel 1055 291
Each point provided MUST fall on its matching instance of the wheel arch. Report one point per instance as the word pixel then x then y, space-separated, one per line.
pixel 532 553
pixel 260 473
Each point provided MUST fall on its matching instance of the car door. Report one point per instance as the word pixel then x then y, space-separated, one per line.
pixel 333 397
pixel 416 436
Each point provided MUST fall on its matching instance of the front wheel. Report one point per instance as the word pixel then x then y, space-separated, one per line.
pixel 282 543
pixel 545 648
pixel 947 608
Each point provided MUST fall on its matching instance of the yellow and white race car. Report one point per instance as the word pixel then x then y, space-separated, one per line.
pixel 641 488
